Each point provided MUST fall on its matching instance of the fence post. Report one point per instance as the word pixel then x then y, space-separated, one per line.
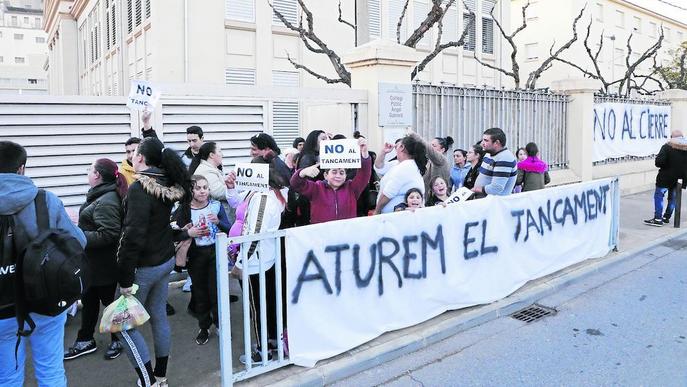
pixel 222 265
pixel 678 203
pixel 580 124
pixel 374 62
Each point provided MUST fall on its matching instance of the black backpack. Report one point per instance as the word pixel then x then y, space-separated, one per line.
pixel 50 269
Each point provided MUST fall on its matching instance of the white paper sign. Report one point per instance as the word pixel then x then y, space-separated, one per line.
pixel 395 104
pixel 252 177
pixel 371 275
pixel 143 96
pixel 339 154
pixel 629 129
pixel 462 194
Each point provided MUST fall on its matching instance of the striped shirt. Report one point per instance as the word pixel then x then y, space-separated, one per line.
pixel 498 173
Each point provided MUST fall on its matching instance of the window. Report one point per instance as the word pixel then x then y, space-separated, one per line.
pixel 599 12
pixel 14 22
pixel 394 8
pixel 532 13
pixel 471 38
pixel 667 34
pixel 130 15
pixel 620 19
pixel 18 36
pixel 139 12
pixel 19 59
pixel 421 8
pixel 488 6
pixel 637 24
pixel 450 32
pixel 40 40
pixel 33 81
pixel 288 8
pixel 532 51
pixel 37 22
pixel 26 20
pixel 110 25
pixel 241 10
pixel 653 28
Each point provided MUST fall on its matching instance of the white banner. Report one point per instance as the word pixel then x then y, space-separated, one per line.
pixel 143 96
pixel 629 129
pixel 367 276
pixel 339 154
pixel 252 177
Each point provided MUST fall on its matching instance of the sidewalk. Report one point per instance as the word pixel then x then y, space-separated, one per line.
pixel 634 238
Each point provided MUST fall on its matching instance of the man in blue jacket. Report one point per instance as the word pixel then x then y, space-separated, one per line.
pixel 18 193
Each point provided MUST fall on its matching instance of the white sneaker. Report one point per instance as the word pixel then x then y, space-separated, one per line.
pixel 187 285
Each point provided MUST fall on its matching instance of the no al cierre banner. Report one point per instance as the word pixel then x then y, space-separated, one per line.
pixel 624 129
pixel 367 276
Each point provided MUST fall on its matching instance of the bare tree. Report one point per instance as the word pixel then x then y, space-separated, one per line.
pixel 534 76
pixel 400 21
pixel 341 19
pixel 514 72
pixel 650 52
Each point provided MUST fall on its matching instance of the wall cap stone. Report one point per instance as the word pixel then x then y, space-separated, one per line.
pixel 381 51
pixel 575 85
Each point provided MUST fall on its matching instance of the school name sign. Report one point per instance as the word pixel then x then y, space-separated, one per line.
pixel 367 276
pixel 629 129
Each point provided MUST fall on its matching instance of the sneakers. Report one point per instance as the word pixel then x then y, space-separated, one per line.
pixel 202 338
pixel 114 350
pixel 654 222
pixel 80 348
pixel 256 357
pixel 666 219
pixel 187 285
pixel 161 382
pixel 170 310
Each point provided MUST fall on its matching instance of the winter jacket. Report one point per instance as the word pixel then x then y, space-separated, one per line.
pixel 438 165
pixel 18 193
pixel 100 218
pixel 327 204
pixel 218 190
pixel 533 174
pixel 128 171
pixel 672 163
pixel 146 234
pixel 471 176
pixel 187 157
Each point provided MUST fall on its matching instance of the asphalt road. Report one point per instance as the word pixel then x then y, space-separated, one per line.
pixel 626 326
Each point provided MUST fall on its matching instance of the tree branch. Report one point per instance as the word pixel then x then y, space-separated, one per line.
pixel 313 73
pixel 631 67
pixel 433 16
pixel 400 22
pixel 341 19
pixel 308 35
pixel 534 76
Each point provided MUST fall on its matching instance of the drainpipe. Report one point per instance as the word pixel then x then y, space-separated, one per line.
pixel 185 41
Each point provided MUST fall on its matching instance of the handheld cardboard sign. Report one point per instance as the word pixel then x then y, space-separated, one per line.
pixel 339 154
pixel 252 177
pixel 461 195
pixel 143 96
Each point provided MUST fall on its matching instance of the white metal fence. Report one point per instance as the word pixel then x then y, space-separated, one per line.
pixel 464 113
pixel 638 101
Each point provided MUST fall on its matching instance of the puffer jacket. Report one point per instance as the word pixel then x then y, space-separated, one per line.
pixel 533 174
pixel 146 235
pixel 672 163
pixel 100 218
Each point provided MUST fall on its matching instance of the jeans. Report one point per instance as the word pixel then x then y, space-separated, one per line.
pixel 46 351
pixel 203 272
pixel 659 194
pixel 91 307
pixel 152 293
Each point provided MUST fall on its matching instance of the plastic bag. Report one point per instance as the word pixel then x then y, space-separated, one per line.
pixel 123 314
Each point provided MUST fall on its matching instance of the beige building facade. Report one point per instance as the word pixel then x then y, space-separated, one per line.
pixel 97 46
pixel 550 21
pixel 23 49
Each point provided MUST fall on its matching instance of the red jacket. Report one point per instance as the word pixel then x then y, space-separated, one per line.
pixel 327 204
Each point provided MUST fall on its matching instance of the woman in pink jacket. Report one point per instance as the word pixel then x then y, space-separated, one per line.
pixel 333 198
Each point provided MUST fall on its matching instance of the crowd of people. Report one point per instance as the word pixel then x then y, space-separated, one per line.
pixel 160 211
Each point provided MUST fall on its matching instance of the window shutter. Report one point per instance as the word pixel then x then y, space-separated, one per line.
pixel 139 15
pixel 237 76
pixel 114 25
pixel 487 35
pixel 487 6
pixel 471 40
pixel 375 19
pixel 147 9
pixel 395 10
pixel 285 123
pixel 450 26
pixel 285 78
pixel 130 15
pixel 420 11
pixel 288 8
pixel 241 10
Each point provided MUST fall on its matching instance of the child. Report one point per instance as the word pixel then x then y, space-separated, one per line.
pixel 335 197
pixel 203 218
pixel 413 201
pixel 439 193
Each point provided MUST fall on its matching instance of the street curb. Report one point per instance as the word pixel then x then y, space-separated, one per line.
pixel 400 346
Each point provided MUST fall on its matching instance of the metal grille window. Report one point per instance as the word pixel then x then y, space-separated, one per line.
pixel 288 8
pixel 241 10
pixel 285 123
pixel 285 78
pixel 238 76
pixel 375 18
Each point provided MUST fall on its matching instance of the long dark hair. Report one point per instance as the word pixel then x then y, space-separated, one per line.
pixel 417 151
pixel 109 172
pixel 203 154
pixel 311 144
pixel 445 142
pixel 167 159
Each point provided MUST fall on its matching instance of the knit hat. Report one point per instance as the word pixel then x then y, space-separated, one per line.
pixel 264 140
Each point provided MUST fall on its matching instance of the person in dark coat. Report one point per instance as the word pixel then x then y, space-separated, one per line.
pixel 672 163
pixel 100 218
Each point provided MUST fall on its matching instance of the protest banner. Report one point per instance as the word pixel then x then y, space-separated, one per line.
pixel 461 195
pixel 143 96
pixel 367 276
pixel 252 177
pixel 629 129
pixel 339 154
